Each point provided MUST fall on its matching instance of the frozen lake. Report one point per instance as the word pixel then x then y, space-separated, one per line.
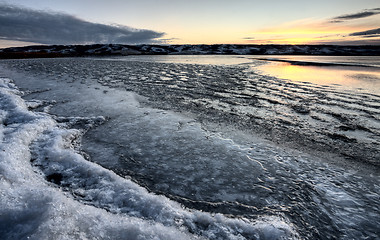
pixel 215 147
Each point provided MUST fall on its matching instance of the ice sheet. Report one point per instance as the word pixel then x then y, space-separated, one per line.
pixel 50 191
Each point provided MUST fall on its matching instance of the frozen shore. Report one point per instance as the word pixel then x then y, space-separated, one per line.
pixel 148 171
pixel 49 190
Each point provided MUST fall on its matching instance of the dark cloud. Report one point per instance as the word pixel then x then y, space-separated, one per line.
pixel 168 40
pixel 22 24
pixel 364 14
pixel 372 32
pixel 372 36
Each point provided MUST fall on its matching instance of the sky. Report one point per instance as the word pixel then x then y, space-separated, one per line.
pixel 31 22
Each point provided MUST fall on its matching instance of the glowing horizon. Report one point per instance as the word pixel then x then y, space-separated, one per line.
pixel 340 22
pixel 316 31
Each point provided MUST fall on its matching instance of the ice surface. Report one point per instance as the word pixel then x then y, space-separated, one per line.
pixel 212 167
pixel 92 202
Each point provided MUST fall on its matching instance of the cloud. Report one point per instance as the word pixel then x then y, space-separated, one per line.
pixel 28 25
pixel 353 16
pixel 324 31
pixel 368 33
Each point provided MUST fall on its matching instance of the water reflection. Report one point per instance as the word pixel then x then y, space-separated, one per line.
pixel 365 78
pixel 350 77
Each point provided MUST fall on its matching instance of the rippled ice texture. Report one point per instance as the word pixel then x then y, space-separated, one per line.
pixel 49 191
pixel 218 155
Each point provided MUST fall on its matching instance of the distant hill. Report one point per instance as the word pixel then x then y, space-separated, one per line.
pixel 227 49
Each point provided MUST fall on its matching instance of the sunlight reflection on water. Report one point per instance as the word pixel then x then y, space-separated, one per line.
pixel 350 77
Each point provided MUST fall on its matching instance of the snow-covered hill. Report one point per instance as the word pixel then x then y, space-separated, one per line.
pixel 118 49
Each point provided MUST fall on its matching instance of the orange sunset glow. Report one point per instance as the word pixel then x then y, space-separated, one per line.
pixel 310 31
pixel 338 22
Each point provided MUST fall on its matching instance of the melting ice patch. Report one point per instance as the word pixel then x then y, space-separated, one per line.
pixel 50 191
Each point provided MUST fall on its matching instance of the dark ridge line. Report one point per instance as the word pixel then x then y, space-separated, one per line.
pixel 56 51
pixel 317 64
